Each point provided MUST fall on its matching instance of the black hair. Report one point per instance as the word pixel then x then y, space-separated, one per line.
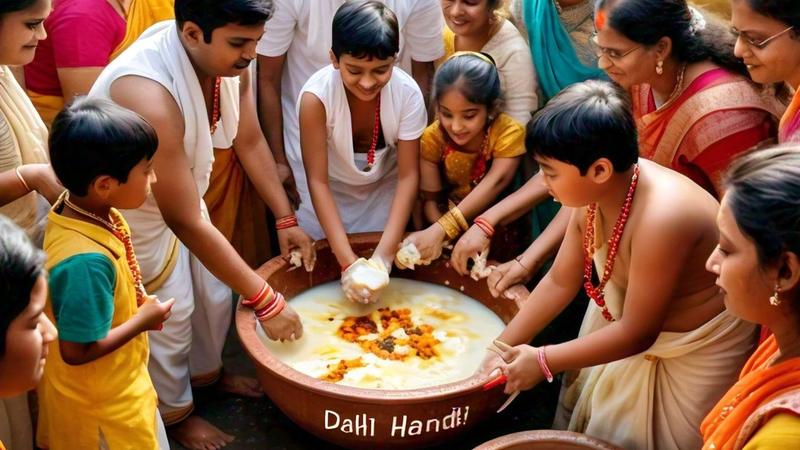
pixel 786 11
pixel 647 21
pixel 10 6
pixel 475 78
pixel 763 193
pixel 583 123
pixel 212 14
pixel 94 137
pixel 365 29
pixel 21 264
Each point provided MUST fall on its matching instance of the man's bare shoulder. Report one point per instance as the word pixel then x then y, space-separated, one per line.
pixel 148 98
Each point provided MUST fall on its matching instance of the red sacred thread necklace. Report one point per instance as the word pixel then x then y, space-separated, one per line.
pixel 596 292
pixel 215 105
pixel 376 130
pixel 123 235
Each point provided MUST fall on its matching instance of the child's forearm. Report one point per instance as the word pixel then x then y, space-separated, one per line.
pixel 499 176
pixel 515 205
pixel 546 302
pixel 76 354
pixel 547 243
pixel 331 222
pixel 611 343
pixel 398 215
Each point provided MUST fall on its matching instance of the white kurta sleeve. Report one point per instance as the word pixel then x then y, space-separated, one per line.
pixel 279 29
pixel 423 31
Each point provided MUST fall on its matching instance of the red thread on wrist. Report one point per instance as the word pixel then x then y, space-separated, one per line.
pixel 548 375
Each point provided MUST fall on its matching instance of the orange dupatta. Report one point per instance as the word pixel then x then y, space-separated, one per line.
pixel 789 128
pixel 760 392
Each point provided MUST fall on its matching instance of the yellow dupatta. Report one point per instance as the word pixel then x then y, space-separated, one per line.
pixel 141 15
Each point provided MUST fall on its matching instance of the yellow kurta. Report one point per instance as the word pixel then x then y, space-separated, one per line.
pixel 506 140
pixel 113 394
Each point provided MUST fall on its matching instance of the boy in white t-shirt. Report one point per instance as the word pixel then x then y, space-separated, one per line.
pixel 296 44
pixel 360 123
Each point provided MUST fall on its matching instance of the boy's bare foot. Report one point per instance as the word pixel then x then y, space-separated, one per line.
pixel 240 385
pixel 195 433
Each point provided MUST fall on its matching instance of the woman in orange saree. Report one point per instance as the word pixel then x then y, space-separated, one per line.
pixel 757 264
pixel 769 44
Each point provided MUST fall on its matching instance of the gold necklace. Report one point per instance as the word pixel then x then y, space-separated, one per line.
pixel 86 213
pixel 678 85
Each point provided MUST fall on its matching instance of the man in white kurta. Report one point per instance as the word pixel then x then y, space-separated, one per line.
pixel 157 74
pixel 296 45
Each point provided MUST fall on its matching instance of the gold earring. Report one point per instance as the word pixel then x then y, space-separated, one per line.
pixel 775 300
pixel 660 68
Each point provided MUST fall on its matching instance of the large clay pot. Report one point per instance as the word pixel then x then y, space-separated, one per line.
pixel 370 418
pixel 546 440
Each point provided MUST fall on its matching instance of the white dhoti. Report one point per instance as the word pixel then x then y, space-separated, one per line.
pixel 189 348
pixel 656 399
pixel 190 345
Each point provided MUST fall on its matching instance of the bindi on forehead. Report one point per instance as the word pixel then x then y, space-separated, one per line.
pixel 600 20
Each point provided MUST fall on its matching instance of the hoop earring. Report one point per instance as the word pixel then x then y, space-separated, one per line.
pixel 660 68
pixel 775 300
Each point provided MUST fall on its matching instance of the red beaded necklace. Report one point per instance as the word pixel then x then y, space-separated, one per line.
pixel 215 105
pixel 123 235
pixel 376 130
pixel 479 166
pixel 589 247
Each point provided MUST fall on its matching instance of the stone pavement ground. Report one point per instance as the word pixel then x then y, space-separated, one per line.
pixel 259 424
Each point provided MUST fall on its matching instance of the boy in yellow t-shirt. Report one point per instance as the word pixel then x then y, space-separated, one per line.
pixel 98 369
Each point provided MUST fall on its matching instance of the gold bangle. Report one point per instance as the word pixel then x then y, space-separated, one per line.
pixel 448 223
pixel 22 180
pixel 460 220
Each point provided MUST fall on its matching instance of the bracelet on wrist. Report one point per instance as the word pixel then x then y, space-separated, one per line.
pixel 286 222
pixel 22 179
pixel 484 226
pixel 542 357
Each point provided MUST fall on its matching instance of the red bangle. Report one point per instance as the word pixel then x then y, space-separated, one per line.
pixel 485 226
pixel 548 375
pixel 272 310
pixel 259 295
pixel 286 222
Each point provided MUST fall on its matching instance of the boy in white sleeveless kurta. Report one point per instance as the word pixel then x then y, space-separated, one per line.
pixel 297 44
pixel 360 121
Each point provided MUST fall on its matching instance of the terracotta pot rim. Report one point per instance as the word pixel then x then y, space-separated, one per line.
pixel 246 328
pixel 544 436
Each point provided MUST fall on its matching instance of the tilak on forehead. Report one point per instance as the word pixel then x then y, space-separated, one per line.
pixel 600 19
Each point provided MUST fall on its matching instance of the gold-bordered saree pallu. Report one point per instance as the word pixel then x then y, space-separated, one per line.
pixel 717 117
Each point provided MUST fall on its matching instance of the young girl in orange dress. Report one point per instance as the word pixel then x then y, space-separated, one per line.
pixel 469 154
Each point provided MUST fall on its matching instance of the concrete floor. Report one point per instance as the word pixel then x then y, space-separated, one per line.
pixel 258 424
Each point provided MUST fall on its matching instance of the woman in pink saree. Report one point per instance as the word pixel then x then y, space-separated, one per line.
pixel 694 107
